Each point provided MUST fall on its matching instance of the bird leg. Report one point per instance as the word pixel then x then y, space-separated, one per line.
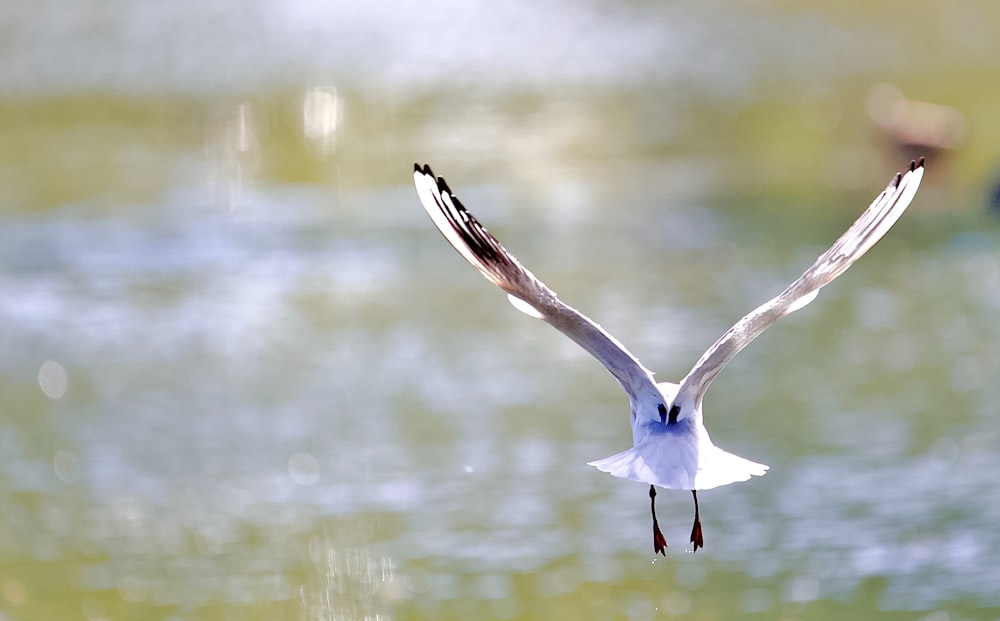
pixel 696 537
pixel 659 541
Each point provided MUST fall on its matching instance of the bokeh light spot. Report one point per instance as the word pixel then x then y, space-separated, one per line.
pixel 303 468
pixel 52 379
pixel 322 113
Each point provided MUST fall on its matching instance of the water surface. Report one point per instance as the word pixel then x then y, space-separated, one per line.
pixel 241 376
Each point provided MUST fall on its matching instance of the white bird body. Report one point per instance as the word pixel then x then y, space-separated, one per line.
pixel 676 456
pixel 671 446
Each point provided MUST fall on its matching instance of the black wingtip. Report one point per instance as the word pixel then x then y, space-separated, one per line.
pixel 914 164
pixel 443 186
pixel 423 170
pixel 441 183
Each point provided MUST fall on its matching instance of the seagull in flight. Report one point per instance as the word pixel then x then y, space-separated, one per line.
pixel 671 447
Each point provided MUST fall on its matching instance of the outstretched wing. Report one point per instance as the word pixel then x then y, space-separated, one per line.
pixel 863 234
pixel 525 292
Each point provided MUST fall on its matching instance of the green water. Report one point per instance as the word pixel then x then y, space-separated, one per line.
pixel 243 377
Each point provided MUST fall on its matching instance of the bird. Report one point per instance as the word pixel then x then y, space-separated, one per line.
pixel 671 447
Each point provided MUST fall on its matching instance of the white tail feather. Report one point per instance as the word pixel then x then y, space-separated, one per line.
pixel 679 464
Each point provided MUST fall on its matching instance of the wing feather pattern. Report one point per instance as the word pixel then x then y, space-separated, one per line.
pixel 859 238
pixel 528 294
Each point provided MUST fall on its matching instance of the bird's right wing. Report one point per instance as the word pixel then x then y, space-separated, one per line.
pixel 528 294
pixel 859 238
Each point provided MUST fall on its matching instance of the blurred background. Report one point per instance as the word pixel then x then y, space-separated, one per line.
pixel 243 377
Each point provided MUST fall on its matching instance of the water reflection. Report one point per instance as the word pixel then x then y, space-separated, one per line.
pixel 230 399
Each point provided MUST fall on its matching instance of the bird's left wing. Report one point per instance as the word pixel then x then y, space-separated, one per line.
pixel 524 290
pixel 859 238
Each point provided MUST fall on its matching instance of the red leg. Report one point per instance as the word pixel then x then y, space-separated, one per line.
pixel 696 537
pixel 659 541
